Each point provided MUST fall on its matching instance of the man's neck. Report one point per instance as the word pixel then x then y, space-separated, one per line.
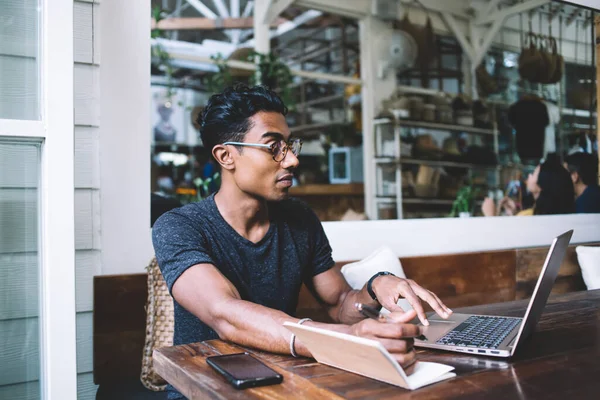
pixel 579 189
pixel 248 215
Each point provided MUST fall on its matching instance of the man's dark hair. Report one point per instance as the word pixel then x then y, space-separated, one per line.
pixel 226 118
pixel 586 165
pixel 558 194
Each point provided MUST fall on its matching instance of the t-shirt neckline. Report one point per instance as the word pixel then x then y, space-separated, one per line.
pixel 240 238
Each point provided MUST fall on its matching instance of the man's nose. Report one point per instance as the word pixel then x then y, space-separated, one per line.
pixel 290 160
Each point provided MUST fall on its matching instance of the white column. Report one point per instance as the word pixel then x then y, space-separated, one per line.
pixel 374 39
pixel 262 41
pixel 125 136
pixel 57 229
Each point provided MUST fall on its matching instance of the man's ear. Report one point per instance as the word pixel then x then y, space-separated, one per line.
pixel 223 156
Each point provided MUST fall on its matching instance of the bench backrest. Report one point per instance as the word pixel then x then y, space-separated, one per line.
pixel 119 327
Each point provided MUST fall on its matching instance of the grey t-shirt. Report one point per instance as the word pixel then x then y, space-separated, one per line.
pixel 268 273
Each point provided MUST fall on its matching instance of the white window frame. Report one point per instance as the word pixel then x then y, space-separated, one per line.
pixel 55 132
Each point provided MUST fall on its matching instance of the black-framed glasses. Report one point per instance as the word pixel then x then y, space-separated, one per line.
pixel 278 149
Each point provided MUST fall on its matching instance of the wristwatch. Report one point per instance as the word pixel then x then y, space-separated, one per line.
pixel 370 283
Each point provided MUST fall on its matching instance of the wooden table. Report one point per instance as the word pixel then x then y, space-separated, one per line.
pixel 561 360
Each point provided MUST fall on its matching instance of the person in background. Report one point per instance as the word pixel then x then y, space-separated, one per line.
pixel 551 187
pixel 235 262
pixel 164 198
pixel 583 168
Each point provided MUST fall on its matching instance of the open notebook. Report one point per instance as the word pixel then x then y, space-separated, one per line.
pixel 366 357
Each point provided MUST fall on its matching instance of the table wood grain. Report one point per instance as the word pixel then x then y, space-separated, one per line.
pixel 560 360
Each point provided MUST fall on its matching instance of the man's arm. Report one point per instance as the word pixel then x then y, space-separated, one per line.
pixel 339 298
pixel 206 293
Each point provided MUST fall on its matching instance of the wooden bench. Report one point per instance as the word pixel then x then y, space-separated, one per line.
pixel 466 279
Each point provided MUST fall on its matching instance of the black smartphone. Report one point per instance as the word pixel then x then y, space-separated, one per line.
pixel 244 371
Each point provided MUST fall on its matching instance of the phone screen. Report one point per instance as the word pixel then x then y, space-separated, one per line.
pixel 242 367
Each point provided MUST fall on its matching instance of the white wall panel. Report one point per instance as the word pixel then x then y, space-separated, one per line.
pixel 124 135
pixel 87 264
pixel 97 221
pixel 87 219
pixel 85 342
pixel 85 46
pixel 87 182
pixel 86 389
pixel 87 94
pixel 83 220
pixel 87 158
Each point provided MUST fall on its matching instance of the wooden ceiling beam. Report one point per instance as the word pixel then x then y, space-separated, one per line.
pixel 200 23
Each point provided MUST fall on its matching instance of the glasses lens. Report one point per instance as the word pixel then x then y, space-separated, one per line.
pixel 296 146
pixel 279 150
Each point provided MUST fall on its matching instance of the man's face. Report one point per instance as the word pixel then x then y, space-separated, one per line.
pixel 256 172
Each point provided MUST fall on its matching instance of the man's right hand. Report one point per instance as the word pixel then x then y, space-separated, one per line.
pixel 396 337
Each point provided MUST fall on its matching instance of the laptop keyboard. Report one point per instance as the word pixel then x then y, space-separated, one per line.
pixel 480 331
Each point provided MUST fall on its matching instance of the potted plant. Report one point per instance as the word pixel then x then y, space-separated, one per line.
pixel 464 203
pixel 206 186
pixel 218 81
pixel 273 73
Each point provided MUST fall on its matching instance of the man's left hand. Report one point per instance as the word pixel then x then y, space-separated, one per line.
pixel 389 289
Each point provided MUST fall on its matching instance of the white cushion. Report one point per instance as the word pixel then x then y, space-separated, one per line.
pixel 383 259
pixel 589 261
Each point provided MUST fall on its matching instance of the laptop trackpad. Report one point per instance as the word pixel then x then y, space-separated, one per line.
pixel 437 329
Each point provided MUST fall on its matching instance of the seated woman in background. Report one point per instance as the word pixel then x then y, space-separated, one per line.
pixel 551 187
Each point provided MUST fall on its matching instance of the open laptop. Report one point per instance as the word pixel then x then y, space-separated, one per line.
pixel 492 335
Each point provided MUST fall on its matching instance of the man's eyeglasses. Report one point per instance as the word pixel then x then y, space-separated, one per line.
pixel 278 149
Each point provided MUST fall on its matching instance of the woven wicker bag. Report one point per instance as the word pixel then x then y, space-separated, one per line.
pixel 159 325
pixel 531 61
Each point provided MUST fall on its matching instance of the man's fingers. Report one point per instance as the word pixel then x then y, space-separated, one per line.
pixel 414 301
pixel 406 360
pixel 397 346
pixel 403 317
pixel 390 330
pixel 448 310
pixel 393 307
pixel 432 300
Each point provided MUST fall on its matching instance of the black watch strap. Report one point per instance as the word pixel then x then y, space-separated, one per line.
pixel 370 283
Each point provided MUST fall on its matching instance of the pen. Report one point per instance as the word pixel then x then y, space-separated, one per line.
pixel 373 313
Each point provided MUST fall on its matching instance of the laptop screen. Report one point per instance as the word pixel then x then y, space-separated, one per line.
pixel 544 285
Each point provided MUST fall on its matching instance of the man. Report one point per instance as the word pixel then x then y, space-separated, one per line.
pixel 584 174
pixel 235 262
